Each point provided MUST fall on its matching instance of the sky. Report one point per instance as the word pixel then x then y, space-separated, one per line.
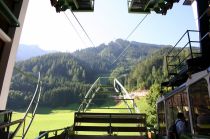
pixel 109 21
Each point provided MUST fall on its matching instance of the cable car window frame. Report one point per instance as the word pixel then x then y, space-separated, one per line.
pixel 184 106
pixel 161 114
pixel 195 114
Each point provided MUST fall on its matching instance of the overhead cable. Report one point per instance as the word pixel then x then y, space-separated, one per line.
pixel 74 29
pixel 131 33
pixel 83 28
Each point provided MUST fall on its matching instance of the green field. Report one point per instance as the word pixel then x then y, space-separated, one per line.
pixel 48 119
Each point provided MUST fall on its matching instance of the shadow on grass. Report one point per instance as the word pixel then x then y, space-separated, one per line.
pixel 110 104
pixel 49 110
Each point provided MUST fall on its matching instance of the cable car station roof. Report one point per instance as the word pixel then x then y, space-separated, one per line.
pixel 134 6
pixel 74 5
pixel 142 6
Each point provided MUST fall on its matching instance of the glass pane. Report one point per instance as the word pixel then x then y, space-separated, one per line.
pixel 161 119
pixel 178 104
pixel 170 112
pixel 185 110
pixel 200 105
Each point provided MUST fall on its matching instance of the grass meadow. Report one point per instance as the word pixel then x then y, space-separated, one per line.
pixel 49 119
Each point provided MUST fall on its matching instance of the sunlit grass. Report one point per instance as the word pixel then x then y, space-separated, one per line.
pixel 49 119
pixel 43 122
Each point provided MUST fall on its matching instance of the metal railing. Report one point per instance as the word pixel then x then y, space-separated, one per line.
pixel 97 85
pixel 54 133
pixel 186 48
pixel 30 110
pixel 104 83
pixel 90 94
pixel 119 88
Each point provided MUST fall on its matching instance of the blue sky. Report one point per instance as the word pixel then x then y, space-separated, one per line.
pixel 109 21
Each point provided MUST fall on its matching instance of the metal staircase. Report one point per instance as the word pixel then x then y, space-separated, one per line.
pixel 110 88
pixel 103 125
pixel 186 48
pixel 177 60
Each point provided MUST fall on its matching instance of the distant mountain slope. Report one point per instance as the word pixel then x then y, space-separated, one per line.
pixel 111 51
pixel 28 51
pixel 57 66
pixel 107 58
pixel 67 75
pixel 148 71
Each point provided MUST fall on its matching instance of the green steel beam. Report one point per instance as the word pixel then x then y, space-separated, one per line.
pixel 8 15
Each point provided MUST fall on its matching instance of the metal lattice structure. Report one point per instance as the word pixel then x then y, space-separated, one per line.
pixel 109 86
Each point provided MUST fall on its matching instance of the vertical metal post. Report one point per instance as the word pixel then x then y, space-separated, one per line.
pixel 191 52
pixel 110 125
pixel 166 58
pixel 23 129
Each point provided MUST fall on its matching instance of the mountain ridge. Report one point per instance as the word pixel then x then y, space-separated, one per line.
pixel 71 74
pixel 25 52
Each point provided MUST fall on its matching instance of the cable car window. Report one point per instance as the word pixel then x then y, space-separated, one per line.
pixel 200 106
pixel 170 113
pixel 161 118
pixel 175 104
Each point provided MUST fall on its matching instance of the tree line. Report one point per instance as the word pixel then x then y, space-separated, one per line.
pixel 67 76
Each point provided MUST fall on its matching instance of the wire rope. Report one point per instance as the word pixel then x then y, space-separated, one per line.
pixel 82 28
pixel 74 29
pixel 131 33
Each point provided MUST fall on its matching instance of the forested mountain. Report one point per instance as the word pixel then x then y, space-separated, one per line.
pixel 148 71
pixel 110 59
pixel 67 76
pixel 63 77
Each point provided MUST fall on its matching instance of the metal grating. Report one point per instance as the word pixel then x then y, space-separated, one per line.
pixel 138 6
pixel 83 5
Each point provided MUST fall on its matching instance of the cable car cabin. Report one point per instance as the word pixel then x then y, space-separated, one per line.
pixel 193 100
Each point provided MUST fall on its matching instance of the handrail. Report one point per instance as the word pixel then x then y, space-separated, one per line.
pixel 181 39
pixel 89 92
pixel 180 62
pixel 54 130
pixel 35 98
pixel 175 59
pixel 98 84
pixel 7 124
pixel 183 49
pixel 5 111
pixel 180 51
pixel 126 96
pixel 34 112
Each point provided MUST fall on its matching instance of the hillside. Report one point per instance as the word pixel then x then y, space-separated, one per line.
pixel 28 51
pixel 148 71
pixel 67 76
pixel 105 57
